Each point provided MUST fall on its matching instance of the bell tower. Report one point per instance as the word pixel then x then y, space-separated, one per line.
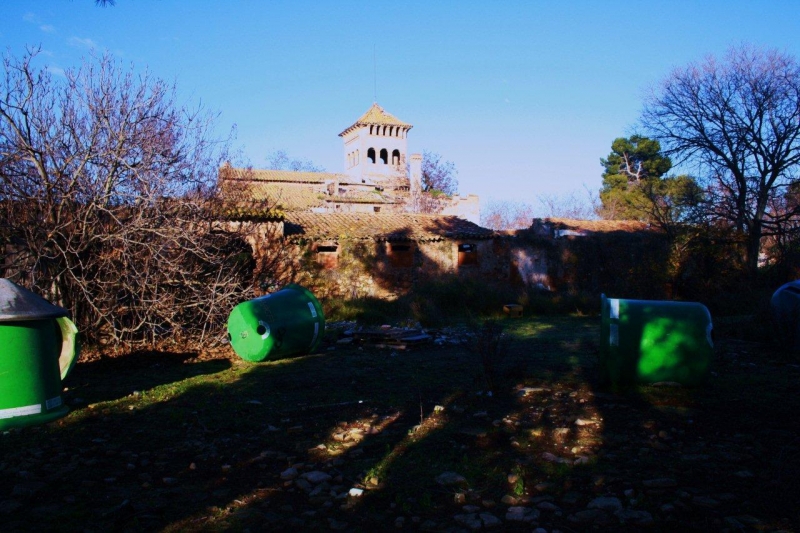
pixel 375 147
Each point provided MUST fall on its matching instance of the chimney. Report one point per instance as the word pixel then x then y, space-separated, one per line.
pixel 333 187
pixel 416 174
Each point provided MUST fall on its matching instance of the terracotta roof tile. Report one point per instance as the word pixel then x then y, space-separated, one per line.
pixel 381 226
pixel 285 196
pixel 253 174
pixel 363 197
pixel 293 191
pixel 376 115
pixel 595 226
pixel 298 197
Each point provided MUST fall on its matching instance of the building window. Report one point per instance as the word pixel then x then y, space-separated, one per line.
pixel 376 208
pixel 328 256
pixel 396 157
pixel 401 255
pixel 467 254
pixel 384 156
pixel 371 155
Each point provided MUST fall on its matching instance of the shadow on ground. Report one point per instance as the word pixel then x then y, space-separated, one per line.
pixel 366 439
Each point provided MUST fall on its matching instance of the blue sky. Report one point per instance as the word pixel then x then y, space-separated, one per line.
pixel 524 97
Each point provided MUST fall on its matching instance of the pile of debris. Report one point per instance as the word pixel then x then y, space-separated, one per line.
pixel 396 337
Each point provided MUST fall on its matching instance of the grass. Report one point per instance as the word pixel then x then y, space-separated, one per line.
pixel 447 300
pixel 188 441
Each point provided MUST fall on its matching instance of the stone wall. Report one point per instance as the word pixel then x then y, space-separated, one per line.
pixel 631 265
pixel 360 268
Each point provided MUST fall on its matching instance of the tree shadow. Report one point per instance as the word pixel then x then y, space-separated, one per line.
pixel 290 445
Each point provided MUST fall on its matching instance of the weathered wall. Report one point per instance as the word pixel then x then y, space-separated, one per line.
pixel 627 264
pixel 359 268
pixel 624 264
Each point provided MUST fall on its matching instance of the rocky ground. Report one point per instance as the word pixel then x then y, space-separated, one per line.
pixel 355 439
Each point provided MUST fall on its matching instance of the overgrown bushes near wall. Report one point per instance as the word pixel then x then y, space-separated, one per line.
pixel 622 264
pixel 431 302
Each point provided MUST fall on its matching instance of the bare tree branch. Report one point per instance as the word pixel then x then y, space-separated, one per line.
pixel 107 203
pixel 738 120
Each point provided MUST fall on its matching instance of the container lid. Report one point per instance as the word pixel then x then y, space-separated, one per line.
pixel 18 303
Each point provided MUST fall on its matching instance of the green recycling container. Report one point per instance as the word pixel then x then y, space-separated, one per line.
pixel 785 305
pixel 286 322
pixel 39 347
pixel 647 341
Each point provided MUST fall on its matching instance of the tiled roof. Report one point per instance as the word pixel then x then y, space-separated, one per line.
pixel 594 226
pixel 362 197
pixel 298 196
pixel 252 174
pixel 290 176
pixel 292 191
pixel 288 196
pixel 381 227
pixel 376 115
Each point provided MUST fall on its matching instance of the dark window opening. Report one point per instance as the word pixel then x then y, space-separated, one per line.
pixel 395 157
pixel 376 208
pixel 401 255
pixel 328 256
pixel 384 156
pixel 467 254
pixel 371 155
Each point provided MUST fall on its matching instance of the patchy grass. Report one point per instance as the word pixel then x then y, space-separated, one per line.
pixel 447 299
pixel 203 442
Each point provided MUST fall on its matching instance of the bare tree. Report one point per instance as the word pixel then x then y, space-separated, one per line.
pixel 280 160
pixel 438 176
pixel 107 202
pixel 739 121
pixel 438 184
pixel 507 215
pixel 572 204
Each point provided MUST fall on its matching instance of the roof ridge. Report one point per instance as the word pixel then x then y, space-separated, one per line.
pixel 376 115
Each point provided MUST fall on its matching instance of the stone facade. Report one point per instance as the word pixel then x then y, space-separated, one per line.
pixel 384 255
pixel 375 179
pixel 378 255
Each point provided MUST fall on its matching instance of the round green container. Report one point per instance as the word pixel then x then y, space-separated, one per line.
pixel 646 341
pixel 39 347
pixel 785 304
pixel 284 323
pixel 30 391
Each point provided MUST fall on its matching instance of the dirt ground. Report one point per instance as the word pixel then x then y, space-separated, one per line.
pixel 358 438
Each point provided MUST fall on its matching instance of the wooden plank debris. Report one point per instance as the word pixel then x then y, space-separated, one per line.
pixel 395 338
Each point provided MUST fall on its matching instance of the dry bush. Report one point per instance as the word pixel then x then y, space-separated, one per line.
pixel 106 203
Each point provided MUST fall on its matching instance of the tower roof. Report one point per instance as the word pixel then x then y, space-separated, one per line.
pixel 376 116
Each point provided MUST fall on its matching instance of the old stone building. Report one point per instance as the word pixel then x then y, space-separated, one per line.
pixel 360 233
pixel 379 177
pixel 368 254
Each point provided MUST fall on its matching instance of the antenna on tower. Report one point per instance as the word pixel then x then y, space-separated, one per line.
pixel 375 75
